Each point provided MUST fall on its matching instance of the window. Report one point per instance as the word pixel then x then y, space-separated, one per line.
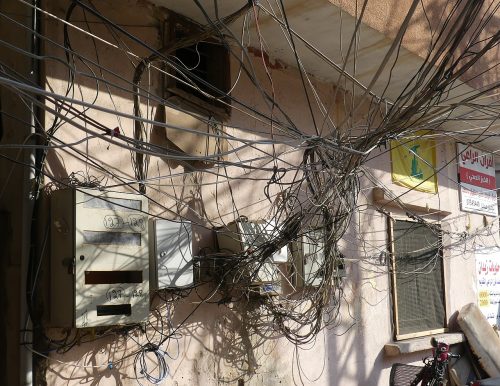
pixel 417 279
pixel 202 72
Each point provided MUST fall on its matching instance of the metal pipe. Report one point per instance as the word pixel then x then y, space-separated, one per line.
pixel 26 335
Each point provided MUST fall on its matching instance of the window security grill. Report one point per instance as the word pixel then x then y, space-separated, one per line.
pixel 418 278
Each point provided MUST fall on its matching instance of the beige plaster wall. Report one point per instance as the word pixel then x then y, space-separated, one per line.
pixel 386 16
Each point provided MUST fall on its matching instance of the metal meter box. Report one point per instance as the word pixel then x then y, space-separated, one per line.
pixel 308 258
pixel 99 258
pixel 246 236
pixel 171 254
pixel 241 235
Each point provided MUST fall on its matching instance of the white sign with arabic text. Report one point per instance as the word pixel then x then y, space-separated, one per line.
pixel 476 171
pixel 488 283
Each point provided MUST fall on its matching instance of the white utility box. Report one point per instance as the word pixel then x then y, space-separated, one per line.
pixel 308 258
pixel 171 254
pixel 242 236
pixel 308 254
pixel 248 236
pixel 99 258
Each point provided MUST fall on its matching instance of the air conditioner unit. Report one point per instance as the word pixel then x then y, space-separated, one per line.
pixel 243 236
pixel 171 254
pixel 99 258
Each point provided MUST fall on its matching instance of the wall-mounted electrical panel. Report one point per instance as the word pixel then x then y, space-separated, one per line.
pixel 99 258
pixel 249 236
pixel 245 236
pixel 171 254
pixel 308 254
pixel 308 258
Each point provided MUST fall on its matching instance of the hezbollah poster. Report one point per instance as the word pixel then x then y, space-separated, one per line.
pixel 414 163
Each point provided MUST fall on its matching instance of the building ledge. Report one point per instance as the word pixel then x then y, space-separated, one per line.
pixel 380 198
pixel 408 346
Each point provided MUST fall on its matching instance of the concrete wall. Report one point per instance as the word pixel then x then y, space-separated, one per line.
pixel 221 344
pixel 386 16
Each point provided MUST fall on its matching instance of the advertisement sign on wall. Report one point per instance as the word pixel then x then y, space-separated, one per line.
pixel 488 283
pixel 476 173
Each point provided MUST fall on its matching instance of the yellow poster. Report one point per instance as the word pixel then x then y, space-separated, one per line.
pixel 414 163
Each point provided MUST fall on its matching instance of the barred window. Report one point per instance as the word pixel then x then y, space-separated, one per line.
pixel 417 278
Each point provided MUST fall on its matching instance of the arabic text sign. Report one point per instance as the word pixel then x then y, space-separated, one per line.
pixel 488 283
pixel 476 171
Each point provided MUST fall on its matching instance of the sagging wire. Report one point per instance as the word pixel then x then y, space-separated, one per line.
pixel 319 192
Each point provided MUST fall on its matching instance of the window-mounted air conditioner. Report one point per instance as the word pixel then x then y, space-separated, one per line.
pixel 99 258
pixel 171 254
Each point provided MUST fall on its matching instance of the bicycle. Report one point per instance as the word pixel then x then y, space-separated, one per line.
pixel 433 373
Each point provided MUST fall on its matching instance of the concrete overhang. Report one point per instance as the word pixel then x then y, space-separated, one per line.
pixel 323 35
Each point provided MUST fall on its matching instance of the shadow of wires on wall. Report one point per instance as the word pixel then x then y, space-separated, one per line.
pixel 231 346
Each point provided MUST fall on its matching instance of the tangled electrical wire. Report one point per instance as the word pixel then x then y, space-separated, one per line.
pixel 307 178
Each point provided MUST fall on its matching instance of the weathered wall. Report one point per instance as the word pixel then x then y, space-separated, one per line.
pixel 388 15
pixel 219 343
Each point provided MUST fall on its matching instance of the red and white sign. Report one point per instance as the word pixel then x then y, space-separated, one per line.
pixel 476 171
